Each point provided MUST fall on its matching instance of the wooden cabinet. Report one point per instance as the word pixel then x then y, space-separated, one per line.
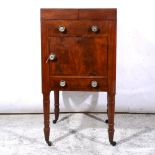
pixel 78 54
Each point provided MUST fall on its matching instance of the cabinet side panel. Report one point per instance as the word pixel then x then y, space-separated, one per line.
pixel 112 58
pixel 44 56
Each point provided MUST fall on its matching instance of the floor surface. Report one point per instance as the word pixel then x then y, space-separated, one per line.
pixel 77 134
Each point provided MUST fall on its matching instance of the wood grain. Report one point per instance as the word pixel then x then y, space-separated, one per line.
pixel 101 14
pixel 82 56
pixel 81 84
pixel 49 14
pixel 75 55
pixel 77 28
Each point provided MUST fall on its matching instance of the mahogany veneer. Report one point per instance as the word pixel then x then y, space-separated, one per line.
pixel 78 54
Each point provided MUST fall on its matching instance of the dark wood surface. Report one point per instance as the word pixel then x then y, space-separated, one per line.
pixel 83 27
pixel 75 55
pixel 82 56
pixel 81 84
pixel 103 14
pixel 48 14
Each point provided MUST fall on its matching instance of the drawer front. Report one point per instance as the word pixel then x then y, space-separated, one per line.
pixel 77 28
pixel 78 56
pixel 81 83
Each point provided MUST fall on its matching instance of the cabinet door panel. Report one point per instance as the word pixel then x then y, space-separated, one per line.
pixel 78 56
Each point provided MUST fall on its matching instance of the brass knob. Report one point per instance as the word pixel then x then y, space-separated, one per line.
pixel 61 29
pixel 62 83
pixel 52 56
pixel 94 28
pixel 94 84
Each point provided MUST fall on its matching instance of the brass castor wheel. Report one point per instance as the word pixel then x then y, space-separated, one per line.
pixel 49 143
pixel 113 143
pixel 54 121
pixel 106 121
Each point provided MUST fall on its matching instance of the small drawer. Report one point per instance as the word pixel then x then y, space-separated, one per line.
pixel 77 28
pixel 78 83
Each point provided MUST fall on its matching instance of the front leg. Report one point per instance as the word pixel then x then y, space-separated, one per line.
pixel 56 104
pixel 46 107
pixel 106 121
pixel 111 111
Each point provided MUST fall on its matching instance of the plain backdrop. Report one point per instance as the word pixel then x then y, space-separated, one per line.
pixel 20 57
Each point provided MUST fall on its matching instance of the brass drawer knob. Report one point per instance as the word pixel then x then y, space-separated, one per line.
pixel 94 84
pixel 62 83
pixel 94 28
pixel 61 29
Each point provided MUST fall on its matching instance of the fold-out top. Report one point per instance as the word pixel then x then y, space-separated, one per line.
pixel 75 14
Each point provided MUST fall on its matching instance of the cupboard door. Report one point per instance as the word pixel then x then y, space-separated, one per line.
pixel 78 56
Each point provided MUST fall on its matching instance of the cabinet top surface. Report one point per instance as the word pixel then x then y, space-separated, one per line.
pixel 76 14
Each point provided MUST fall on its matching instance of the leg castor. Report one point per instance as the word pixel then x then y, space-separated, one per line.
pixel 106 121
pixel 49 143
pixel 113 143
pixel 54 121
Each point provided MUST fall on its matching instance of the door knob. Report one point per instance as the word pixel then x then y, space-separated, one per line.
pixel 52 56
pixel 62 83
pixel 94 84
pixel 94 28
pixel 61 29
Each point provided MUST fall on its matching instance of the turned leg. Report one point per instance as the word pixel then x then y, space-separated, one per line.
pixel 56 104
pixel 111 111
pixel 46 107
pixel 106 121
